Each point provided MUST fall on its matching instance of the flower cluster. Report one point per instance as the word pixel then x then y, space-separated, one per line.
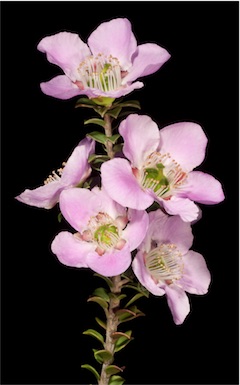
pixel 139 212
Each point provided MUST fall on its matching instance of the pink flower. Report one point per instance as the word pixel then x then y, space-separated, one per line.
pixel 75 171
pixel 160 168
pixel 106 232
pixel 107 66
pixel 165 265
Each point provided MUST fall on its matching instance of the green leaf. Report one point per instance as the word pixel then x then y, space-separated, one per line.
pixel 103 356
pixel 101 292
pixel 98 300
pixel 118 147
pixel 114 112
pixel 134 298
pixel 116 380
pixel 112 369
pixel 98 137
pixel 60 217
pixel 91 369
pixel 106 279
pixel 85 101
pixel 101 323
pixel 118 297
pixel 100 122
pixel 122 340
pixel 113 138
pixel 93 333
pixel 130 103
pixel 124 313
pixel 97 158
pixel 119 335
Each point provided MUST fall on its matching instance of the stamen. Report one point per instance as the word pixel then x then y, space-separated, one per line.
pixel 56 175
pixel 164 263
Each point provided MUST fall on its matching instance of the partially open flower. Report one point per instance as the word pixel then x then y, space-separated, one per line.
pixel 75 171
pixel 160 168
pixel 107 66
pixel 165 265
pixel 106 232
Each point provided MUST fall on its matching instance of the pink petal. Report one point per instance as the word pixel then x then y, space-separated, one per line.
pixel 141 138
pixel 196 276
pixel 183 207
pixel 70 250
pixel 178 303
pixel 136 229
pixel 147 59
pixel 109 206
pixel 60 87
pixel 45 196
pixel 122 91
pixel 122 186
pixel 78 205
pixel 111 263
pixel 171 230
pixel 143 275
pixel 77 167
pixel 114 38
pixel 66 50
pixel 186 143
pixel 204 188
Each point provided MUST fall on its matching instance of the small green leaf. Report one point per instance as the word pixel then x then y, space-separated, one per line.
pixel 99 300
pixel 134 298
pixel 106 279
pixel 118 335
pixel 101 292
pixel 103 101
pixel 124 313
pixel 118 297
pixel 95 334
pixel 85 101
pixel 118 147
pixel 60 217
pixel 101 323
pixel 122 340
pixel 114 112
pixel 113 138
pixel 97 158
pixel 98 137
pixel 91 369
pixel 100 122
pixel 116 380
pixel 103 356
pixel 112 369
pixel 130 103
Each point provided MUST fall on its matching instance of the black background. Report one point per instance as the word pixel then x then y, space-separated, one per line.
pixel 44 304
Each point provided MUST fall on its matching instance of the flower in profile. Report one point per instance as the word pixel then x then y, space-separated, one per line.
pixel 160 168
pixel 106 232
pixel 73 173
pixel 165 265
pixel 106 66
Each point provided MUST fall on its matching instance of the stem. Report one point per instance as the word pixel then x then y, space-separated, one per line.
pixel 108 132
pixel 112 324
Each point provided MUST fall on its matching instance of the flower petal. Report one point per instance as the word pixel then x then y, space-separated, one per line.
pixel 45 196
pixel 111 263
pixel 70 250
pixel 178 303
pixel 77 167
pixel 66 50
pixel 141 138
pixel 109 206
pixel 183 207
pixel 196 276
pixel 61 87
pixel 136 229
pixel 122 91
pixel 114 38
pixel 204 188
pixel 186 143
pixel 78 205
pixel 122 186
pixel 147 59
pixel 171 230
pixel 143 275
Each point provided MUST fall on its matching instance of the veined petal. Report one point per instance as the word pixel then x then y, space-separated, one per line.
pixel 143 275
pixel 45 196
pixel 109 206
pixel 141 138
pixel 147 59
pixel 77 206
pixel 171 229
pixel 66 50
pixel 61 87
pixel 204 188
pixel 178 303
pixel 186 143
pixel 70 250
pixel 196 276
pixel 122 91
pixel 111 263
pixel 136 229
pixel 114 38
pixel 183 207
pixel 122 186
pixel 77 167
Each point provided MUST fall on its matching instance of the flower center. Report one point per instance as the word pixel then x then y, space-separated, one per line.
pixel 105 232
pixel 101 72
pixel 162 174
pixel 55 175
pixel 164 263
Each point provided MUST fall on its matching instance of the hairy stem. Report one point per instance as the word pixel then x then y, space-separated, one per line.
pixel 112 324
pixel 108 132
